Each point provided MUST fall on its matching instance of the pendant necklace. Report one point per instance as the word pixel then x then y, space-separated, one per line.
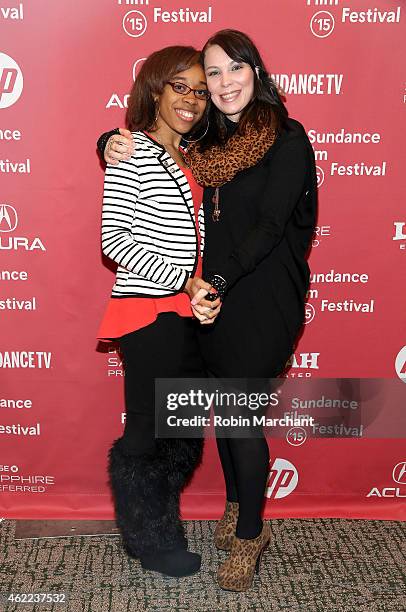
pixel 216 200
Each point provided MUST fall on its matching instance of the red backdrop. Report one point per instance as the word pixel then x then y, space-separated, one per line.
pixel 65 70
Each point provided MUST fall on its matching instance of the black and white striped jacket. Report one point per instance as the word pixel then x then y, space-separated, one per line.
pixel 148 223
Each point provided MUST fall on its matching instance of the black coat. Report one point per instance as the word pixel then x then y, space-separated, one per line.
pixel 260 246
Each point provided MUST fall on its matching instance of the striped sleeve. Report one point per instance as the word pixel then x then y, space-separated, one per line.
pixel 121 190
pixel 200 219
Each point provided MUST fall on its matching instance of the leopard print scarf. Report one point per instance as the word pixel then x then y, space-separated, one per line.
pixel 220 163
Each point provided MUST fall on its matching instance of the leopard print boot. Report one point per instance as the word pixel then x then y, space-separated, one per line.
pixel 225 528
pixel 237 573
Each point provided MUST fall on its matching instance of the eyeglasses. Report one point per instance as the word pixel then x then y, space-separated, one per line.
pixel 184 90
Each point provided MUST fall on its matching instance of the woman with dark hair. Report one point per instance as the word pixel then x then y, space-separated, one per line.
pixel 150 228
pixel 260 201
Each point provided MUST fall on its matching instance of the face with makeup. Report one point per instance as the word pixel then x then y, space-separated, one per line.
pixel 230 82
pixel 178 111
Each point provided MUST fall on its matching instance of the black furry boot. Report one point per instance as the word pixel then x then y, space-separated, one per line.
pixel 184 456
pixel 146 500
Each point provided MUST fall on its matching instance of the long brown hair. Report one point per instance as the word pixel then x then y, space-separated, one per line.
pixel 156 71
pixel 266 107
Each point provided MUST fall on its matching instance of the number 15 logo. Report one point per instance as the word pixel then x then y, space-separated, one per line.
pixel 134 23
pixel 322 24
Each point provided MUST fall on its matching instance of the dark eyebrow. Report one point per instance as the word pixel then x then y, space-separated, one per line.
pixel 233 61
pixel 179 78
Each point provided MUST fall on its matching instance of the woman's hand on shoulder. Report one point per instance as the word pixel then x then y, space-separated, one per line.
pixel 119 147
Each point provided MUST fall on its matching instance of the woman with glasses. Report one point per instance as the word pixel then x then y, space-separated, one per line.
pixel 152 229
pixel 260 200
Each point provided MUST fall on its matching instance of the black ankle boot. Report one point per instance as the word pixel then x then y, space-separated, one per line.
pixel 175 563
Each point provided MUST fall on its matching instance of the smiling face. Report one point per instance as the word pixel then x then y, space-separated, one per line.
pixel 179 113
pixel 231 83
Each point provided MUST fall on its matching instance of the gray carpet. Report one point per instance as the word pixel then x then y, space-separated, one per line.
pixel 313 565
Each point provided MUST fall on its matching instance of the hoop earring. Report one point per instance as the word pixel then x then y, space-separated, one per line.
pixel 202 136
pixel 156 111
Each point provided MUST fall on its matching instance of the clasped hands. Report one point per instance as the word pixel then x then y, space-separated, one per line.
pixel 121 147
pixel 204 310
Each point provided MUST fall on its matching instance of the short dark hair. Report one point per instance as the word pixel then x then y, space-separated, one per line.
pixel 155 72
pixel 266 107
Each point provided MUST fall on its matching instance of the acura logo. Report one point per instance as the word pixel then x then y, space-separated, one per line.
pixel 8 218
pixel 399 473
pixel 136 67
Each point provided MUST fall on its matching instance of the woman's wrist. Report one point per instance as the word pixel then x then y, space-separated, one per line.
pixel 219 284
pixel 187 285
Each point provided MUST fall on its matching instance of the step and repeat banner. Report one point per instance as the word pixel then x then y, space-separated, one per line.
pixel 65 73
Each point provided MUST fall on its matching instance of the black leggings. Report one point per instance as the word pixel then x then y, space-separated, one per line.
pixel 167 348
pixel 244 457
pixel 233 350
pixel 245 467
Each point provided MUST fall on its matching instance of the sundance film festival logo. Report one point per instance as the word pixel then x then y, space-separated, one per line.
pixel 346 304
pixel 344 137
pixel 8 223
pixel 283 479
pixel 11 81
pixel 322 23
